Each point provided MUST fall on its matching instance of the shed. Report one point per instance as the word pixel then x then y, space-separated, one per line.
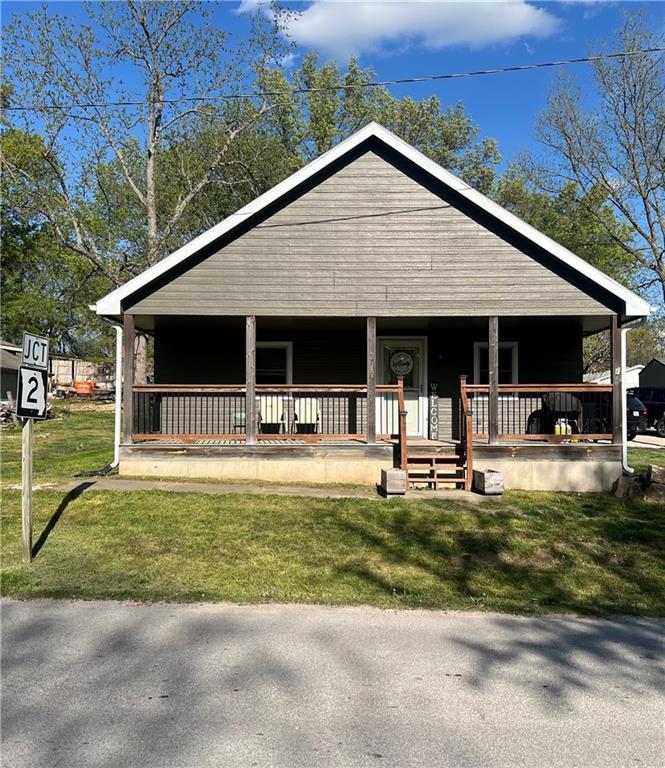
pixel 653 373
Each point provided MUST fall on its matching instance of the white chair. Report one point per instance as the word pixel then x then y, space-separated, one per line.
pixel 271 415
pixel 306 415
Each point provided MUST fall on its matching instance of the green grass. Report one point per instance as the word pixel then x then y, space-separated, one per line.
pixel 529 552
pixel 639 458
pixel 76 440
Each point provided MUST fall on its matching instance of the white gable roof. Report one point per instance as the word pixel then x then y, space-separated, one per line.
pixel 111 304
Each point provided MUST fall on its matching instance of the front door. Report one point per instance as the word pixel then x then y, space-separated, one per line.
pixel 414 382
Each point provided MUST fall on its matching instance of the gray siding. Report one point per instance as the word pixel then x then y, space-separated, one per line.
pixel 369 240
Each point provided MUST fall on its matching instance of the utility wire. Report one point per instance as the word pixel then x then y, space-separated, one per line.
pixel 374 84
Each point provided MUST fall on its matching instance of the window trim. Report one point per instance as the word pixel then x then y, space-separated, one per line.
pixel 288 346
pixel 512 345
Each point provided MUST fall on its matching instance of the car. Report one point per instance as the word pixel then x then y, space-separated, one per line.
pixel 654 400
pixel 636 417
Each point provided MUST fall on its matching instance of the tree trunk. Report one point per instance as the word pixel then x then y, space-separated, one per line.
pixel 140 359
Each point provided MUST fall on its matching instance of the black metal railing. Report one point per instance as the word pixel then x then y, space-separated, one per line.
pixel 219 411
pixel 544 411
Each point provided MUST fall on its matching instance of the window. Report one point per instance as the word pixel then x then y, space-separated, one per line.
pixel 274 362
pixel 508 362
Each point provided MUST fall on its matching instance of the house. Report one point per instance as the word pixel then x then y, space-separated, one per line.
pixel 373 310
pixel 9 365
pixel 631 377
pixel 653 374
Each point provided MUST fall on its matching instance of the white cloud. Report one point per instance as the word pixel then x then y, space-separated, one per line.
pixel 343 27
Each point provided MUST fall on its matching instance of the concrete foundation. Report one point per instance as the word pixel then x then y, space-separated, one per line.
pixel 346 464
pixel 570 467
pixel 551 475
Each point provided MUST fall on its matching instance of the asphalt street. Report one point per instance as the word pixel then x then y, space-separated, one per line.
pixel 103 684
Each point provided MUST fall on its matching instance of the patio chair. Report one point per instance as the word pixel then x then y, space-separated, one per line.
pixel 306 417
pixel 271 416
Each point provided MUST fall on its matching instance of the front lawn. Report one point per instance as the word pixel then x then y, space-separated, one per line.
pixel 528 552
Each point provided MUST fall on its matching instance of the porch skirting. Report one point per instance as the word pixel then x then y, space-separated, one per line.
pixel 581 468
pixel 331 464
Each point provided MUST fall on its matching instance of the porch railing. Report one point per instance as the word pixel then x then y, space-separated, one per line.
pixel 542 412
pixel 309 412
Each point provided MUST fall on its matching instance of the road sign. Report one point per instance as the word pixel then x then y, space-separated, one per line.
pixel 31 399
pixel 35 351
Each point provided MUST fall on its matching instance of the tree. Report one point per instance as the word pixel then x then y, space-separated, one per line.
pixel 99 131
pixel 585 223
pixel 45 289
pixel 618 148
pixel 311 122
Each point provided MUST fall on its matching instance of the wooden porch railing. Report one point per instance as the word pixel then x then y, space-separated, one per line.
pixel 310 412
pixel 403 448
pixel 466 433
pixel 550 413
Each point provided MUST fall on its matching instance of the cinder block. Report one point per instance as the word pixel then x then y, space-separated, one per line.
pixel 393 481
pixel 488 482
pixel 622 486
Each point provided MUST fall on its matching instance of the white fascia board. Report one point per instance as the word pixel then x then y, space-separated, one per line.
pixel 635 305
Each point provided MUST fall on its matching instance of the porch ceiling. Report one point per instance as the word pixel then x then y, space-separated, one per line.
pixel 385 325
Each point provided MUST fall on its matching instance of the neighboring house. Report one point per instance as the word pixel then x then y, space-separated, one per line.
pixel 9 364
pixel 631 377
pixel 653 374
pixel 279 334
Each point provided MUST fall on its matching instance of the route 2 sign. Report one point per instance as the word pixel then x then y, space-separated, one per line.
pixel 35 350
pixel 31 400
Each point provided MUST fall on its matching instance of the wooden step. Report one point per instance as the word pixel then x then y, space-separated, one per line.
pixel 433 470
pixel 444 458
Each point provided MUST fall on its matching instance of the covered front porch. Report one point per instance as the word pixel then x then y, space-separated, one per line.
pixel 325 399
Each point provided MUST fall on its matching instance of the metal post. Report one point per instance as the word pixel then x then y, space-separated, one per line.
pixel 371 379
pixel 250 379
pixel 493 378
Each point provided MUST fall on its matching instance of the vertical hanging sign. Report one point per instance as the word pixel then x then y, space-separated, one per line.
pixel 31 403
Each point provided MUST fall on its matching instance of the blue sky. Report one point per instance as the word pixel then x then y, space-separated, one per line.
pixel 403 39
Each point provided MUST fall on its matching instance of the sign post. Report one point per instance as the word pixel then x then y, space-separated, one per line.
pixel 26 489
pixel 31 403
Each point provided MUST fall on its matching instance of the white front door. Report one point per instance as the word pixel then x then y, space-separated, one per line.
pixel 415 395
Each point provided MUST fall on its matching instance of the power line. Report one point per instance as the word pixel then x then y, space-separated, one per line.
pixel 374 84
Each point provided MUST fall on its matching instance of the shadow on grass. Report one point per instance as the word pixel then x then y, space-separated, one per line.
pixel 55 517
pixel 586 560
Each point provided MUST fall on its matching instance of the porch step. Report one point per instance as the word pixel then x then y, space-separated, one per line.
pixel 435 469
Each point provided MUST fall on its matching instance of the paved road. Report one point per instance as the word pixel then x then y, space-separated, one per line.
pixel 111 685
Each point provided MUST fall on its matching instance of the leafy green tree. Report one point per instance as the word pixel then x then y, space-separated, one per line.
pixel 312 122
pixel 45 288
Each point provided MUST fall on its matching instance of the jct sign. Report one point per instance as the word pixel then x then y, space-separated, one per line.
pixel 35 351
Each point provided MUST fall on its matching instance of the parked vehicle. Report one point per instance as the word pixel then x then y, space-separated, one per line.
pixel 654 400
pixel 637 418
